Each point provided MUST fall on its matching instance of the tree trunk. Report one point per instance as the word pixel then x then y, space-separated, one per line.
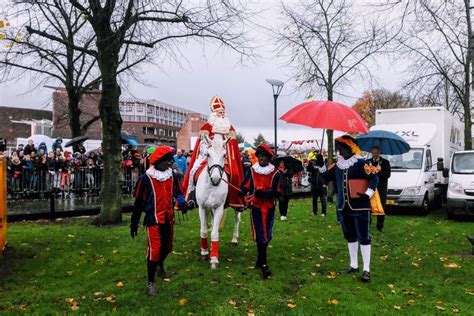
pixel 74 113
pixel 330 133
pixel 468 77
pixel 111 192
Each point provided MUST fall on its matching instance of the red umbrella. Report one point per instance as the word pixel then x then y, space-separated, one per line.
pixel 327 115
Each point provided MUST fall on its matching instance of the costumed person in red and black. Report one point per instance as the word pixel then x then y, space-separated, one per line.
pixel 261 188
pixel 218 125
pixel 156 193
pixel 353 200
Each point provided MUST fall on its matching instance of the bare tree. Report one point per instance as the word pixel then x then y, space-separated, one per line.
pixel 436 39
pixel 134 28
pixel 328 44
pixel 40 43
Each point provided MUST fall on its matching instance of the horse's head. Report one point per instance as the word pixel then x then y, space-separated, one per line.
pixel 216 156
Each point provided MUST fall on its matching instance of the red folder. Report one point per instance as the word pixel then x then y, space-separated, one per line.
pixel 357 186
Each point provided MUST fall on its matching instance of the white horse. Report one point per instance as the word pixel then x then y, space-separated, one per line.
pixel 211 195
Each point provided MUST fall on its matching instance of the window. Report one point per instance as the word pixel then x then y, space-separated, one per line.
pixel 128 109
pixel 140 109
pixel 429 161
pixel 149 110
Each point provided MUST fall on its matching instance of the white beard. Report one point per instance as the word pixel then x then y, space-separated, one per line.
pixel 220 125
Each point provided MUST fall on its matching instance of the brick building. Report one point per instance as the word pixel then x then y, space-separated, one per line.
pixel 189 131
pixel 150 121
pixel 23 122
pixel 90 112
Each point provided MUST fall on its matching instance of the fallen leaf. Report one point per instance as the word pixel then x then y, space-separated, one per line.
pixel 120 284
pixel 391 286
pixel 384 258
pixel 111 298
pixel 71 236
pixel 318 265
pixel 166 280
pixel 291 305
pixel 411 302
pixel 333 301
pixel 443 259
pixel 73 303
pixel 440 308
pixel 114 251
pixel 397 307
pixel 183 302
pixel 232 302
pixel 439 302
pixel 98 294
pixel 332 275
pixel 451 265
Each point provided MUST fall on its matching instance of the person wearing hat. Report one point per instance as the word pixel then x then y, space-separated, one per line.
pixel 154 195
pixel 261 188
pixel 218 125
pixel 354 206
pixel 384 172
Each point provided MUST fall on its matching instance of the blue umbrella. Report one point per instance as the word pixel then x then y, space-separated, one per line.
pixel 388 142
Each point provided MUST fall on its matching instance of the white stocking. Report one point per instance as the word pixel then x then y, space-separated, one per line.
pixel 353 251
pixel 365 250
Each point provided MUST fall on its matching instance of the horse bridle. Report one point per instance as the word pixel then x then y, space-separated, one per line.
pixel 221 172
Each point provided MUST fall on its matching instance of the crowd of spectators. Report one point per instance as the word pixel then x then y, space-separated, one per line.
pixel 34 170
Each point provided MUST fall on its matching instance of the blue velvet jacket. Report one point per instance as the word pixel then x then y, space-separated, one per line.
pixel 341 178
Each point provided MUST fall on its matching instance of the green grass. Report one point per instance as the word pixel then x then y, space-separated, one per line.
pixel 72 259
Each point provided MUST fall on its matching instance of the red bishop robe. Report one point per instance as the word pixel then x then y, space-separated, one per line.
pixel 233 167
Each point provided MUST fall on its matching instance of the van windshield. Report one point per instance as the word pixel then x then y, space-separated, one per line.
pixel 410 160
pixel 463 163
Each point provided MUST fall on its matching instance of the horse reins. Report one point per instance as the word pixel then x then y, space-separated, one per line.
pixel 221 172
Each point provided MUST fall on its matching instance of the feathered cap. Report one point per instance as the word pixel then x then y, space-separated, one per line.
pixel 264 149
pixel 349 143
pixel 160 152
pixel 217 104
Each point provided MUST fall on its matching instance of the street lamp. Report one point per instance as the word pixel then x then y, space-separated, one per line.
pixel 277 85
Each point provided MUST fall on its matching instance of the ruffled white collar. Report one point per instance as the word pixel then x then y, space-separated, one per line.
pixel 347 163
pixel 263 170
pixel 159 175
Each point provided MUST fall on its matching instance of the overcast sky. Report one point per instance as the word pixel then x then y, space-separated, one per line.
pixel 210 71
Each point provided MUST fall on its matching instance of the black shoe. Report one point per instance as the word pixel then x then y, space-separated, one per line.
pixel 266 272
pixel 365 276
pixel 380 229
pixel 352 270
pixel 160 271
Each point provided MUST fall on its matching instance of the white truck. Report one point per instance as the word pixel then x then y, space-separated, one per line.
pixel 434 134
pixel 461 184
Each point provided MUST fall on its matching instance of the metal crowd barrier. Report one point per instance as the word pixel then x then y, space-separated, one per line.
pixel 33 184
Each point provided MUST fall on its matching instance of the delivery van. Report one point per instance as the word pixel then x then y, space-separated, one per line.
pixel 434 134
pixel 461 184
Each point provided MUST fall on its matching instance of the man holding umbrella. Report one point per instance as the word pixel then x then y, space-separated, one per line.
pixel 383 165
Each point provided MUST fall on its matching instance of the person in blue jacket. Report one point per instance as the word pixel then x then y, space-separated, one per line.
pixel 181 162
pixel 354 206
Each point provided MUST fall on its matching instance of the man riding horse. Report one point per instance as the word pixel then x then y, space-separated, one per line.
pixel 218 125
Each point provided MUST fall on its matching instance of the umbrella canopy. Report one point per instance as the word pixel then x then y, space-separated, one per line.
pixel 388 142
pixel 76 141
pixel 245 146
pixel 131 141
pixel 291 163
pixel 327 115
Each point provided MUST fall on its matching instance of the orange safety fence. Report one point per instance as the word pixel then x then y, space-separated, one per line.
pixel 3 204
